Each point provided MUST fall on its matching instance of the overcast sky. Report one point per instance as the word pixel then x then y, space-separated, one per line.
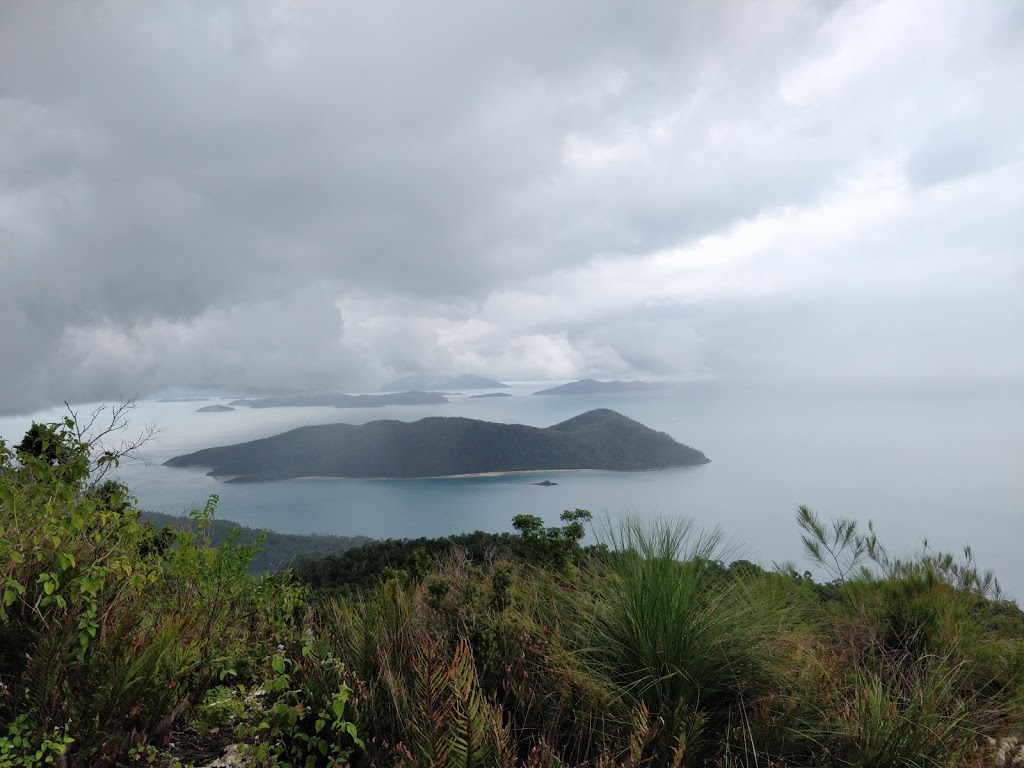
pixel 257 196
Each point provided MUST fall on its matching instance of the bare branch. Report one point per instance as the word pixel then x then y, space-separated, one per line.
pixel 96 432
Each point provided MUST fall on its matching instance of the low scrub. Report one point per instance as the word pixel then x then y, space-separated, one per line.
pixel 121 644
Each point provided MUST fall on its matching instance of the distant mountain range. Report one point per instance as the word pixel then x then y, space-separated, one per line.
pixel 592 387
pixel 333 399
pixel 440 446
pixel 424 382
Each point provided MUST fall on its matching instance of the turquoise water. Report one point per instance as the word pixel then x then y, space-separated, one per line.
pixel 946 463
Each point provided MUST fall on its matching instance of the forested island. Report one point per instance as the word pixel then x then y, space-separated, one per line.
pixel 443 446
pixel 215 409
pixel 336 400
pixel 593 387
pixel 491 394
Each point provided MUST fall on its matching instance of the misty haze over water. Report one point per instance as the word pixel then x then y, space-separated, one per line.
pixel 940 462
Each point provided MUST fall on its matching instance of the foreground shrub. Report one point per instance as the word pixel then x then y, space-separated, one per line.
pixel 109 633
pixel 918 717
pixel 696 645
pixel 926 661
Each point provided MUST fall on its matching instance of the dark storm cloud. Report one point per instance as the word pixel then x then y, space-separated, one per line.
pixel 211 195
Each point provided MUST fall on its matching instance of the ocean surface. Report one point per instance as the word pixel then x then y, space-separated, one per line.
pixel 942 462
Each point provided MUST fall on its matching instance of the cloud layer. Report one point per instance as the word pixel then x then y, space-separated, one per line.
pixel 269 197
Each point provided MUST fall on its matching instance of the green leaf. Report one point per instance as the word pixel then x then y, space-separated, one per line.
pixel 350 728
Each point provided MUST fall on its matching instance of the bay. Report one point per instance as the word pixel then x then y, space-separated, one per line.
pixel 944 462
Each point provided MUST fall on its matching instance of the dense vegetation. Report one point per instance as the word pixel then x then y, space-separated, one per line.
pixel 438 446
pixel 122 645
pixel 274 551
pixel 335 400
pixel 364 565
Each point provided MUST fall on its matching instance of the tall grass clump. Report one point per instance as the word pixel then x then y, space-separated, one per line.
pixel 468 667
pixel 925 658
pixel 694 644
pixel 916 717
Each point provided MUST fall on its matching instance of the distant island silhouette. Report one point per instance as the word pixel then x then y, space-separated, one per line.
pixel 592 387
pixel 335 400
pixel 428 382
pixel 446 446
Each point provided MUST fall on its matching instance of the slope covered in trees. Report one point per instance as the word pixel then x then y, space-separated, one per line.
pixel 439 446
pixel 275 551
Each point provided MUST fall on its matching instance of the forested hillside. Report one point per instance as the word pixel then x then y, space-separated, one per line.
pixel 275 551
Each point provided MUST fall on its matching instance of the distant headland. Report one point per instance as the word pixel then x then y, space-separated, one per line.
pixel 446 446
pixel 592 387
pixel 427 382
pixel 335 400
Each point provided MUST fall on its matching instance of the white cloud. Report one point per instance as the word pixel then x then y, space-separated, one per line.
pixel 602 191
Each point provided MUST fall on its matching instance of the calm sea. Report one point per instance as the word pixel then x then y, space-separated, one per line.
pixel 946 463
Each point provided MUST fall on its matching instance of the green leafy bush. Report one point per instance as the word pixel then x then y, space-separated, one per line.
pixel 104 637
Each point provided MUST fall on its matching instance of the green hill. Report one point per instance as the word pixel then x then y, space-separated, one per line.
pixel 440 446
pixel 278 550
